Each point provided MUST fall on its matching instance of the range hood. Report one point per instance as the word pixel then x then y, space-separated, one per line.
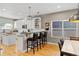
pixel 75 17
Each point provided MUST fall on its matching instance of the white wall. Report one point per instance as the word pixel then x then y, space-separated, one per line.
pixel 4 21
pixel 19 23
pixel 57 16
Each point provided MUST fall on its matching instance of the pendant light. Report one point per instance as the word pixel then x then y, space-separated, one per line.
pixel 75 17
pixel 29 17
pixel 37 15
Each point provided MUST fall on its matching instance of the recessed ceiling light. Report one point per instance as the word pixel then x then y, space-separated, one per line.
pixel 58 6
pixel 4 9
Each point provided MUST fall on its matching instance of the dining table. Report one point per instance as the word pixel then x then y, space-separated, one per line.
pixel 70 47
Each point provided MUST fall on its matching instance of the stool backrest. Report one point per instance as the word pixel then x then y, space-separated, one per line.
pixel 41 35
pixel 45 34
pixel 35 36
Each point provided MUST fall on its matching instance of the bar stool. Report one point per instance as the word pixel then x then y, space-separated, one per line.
pixel 45 37
pixel 40 39
pixel 33 42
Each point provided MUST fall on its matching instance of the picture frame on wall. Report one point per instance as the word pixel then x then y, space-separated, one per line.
pixel 47 26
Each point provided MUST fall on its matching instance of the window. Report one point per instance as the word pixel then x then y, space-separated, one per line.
pixel 63 29
pixel 69 24
pixel 57 28
pixel 69 29
pixel 57 24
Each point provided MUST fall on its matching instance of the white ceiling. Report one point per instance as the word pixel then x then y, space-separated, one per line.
pixel 20 10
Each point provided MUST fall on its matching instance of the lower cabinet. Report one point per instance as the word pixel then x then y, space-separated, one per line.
pixel 8 40
pixel 21 44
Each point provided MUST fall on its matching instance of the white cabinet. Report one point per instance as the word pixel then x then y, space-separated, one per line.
pixel 18 25
pixel 34 23
pixel 21 44
pixel 31 24
pixel 37 22
pixel 8 39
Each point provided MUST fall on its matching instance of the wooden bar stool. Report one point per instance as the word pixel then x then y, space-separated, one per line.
pixel 45 38
pixel 33 42
pixel 40 39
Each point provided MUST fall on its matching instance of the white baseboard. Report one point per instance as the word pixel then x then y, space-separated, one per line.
pixel 24 50
pixel 52 43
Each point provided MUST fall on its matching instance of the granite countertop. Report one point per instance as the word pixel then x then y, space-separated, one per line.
pixel 7 34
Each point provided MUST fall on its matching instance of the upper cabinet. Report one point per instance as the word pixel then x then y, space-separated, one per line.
pixel 37 22
pixel 34 23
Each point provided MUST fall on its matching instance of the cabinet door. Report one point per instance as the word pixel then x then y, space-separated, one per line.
pixel 37 22
pixel 24 45
pixel 30 24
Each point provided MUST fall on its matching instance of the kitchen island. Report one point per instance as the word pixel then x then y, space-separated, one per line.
pixel 8 39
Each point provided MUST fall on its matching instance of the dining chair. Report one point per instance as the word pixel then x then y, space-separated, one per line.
pixel 60 43
pixel 60 47
pixel 33 42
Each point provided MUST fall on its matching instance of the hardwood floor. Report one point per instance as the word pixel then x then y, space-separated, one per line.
pixel 47 50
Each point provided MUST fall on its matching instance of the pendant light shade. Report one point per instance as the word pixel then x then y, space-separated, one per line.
pixel 75 17
pixel 29 17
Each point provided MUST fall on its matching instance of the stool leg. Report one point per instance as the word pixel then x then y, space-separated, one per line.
pixel 40 43
pixel 33 46
pixel 37 45
pixel 27 45
pixel 33 49
pixel 43 42
pixel 46 40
